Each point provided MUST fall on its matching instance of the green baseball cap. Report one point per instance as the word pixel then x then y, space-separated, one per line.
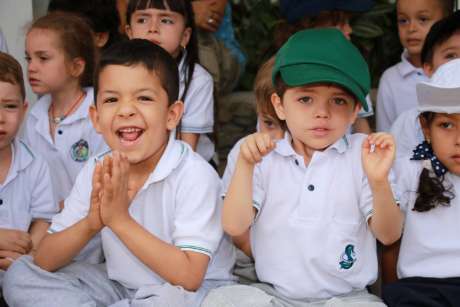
pixel 323 55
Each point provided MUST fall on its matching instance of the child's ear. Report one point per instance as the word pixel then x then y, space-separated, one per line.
pixel 175 112
pixel 77 67
pixel 428 69
pixel 425 128
pixel 278 106
pixel 186 37
pixel 101 38
pixel 129 31
pixel 94 118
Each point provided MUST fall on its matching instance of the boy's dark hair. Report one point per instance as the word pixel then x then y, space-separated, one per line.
pixel 101 15
pixel 446 5
pixel 431 191
pixel 76 39
pixel 183 7
pixel 11 72
pixel 439 33
pixel 145 53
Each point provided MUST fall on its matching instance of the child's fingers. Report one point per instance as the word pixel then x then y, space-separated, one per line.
pixel 107 165
pixel 254 150
pixel 108 189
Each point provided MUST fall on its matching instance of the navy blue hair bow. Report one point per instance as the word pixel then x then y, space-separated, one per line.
pixel 424 151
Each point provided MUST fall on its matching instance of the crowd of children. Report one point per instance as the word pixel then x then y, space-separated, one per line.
pixel 108 195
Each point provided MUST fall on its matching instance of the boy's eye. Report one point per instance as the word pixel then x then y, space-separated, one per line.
pixel 43 58
pixel 27 58
pixel 339 101
pixel 269 123
pixel 145 98
pixel 141 20
pixel 11 106
pixel 424 19
pixel 167 20
pixel 110 100
pixel 305 99
pixel 403 21
pixel 446 125
pixel 451 55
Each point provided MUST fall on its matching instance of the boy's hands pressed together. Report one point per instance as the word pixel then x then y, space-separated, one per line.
pixel 255 147
pixel 94 213
pixel 378 154
pixel 115 199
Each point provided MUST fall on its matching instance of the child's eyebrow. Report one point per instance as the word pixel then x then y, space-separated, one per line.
pixel 9 100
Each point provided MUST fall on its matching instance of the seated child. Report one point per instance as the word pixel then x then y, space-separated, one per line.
pixel 60 56
pixel 429 182
pixel 442 44
pixel 26 197
pixel 162 236
pixel 396 92
pixel 315 201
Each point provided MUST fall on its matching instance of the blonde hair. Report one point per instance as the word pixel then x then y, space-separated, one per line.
pixel 263 88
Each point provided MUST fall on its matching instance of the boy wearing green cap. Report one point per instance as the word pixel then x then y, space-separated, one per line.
pixel 314 202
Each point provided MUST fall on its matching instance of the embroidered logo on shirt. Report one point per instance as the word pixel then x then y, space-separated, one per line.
pixel 80 151
pixel 348 257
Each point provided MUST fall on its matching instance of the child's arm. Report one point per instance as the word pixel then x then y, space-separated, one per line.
pixel 190 138
pixel 389 262
pixel 178 267
pixel 238 212
pixel 37 231
pixel 59 248
pixel 13 244
pixel 387 219
pixel 243 243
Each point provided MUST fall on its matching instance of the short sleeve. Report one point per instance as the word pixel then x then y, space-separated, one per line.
pixel 258 192
pixel 197 221
pixel 385 105
pixel 43 204
pixel 407 178
pixel 76 205
pixel 231 164
pixel 199 104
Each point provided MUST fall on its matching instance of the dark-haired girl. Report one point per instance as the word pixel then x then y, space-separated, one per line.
pixel 428 265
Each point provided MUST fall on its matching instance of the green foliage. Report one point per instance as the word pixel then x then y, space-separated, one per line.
pixel 374 32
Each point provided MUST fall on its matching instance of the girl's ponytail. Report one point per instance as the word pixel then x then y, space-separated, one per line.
pixel 431 192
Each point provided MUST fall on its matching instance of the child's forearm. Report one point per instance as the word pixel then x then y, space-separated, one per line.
pixel 58 249
pixel 387 220
pixel 37 232
pixel 243 243
pixel 238 212
pixel 178 267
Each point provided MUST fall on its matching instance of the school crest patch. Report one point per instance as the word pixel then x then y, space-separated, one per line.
pixel 348 257
pixel 80 151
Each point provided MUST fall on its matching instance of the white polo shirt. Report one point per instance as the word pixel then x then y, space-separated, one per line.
pixel 430 245
pixel 75 141
pixel 27 193
pixel 310 238
pixel 199 107
pixel 179 203
pixel 396 92
pixel 407 132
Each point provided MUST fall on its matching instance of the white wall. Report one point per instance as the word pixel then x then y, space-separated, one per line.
pixel 15 15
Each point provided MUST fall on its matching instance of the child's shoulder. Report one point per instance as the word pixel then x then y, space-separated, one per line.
pixel 201 74
pixel 192 166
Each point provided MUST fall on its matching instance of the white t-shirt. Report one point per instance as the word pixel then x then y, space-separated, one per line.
pixel 397 91
pixel 75 141
pixel 430 245
pixel 26 194
pixel 179 203
pixel 407 132
pixel 310 238
pixel 199 107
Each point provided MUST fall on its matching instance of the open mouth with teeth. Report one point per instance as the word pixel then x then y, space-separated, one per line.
pixel 129 135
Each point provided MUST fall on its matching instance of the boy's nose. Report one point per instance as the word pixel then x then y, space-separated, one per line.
pixel 126 109
pixel 153 27
pixel 322 111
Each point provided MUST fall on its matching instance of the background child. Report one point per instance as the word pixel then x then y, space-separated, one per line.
pixel 158 230
pixel 101 15
pixel 313 14
pixel 429 183
pixel 442 44
pixel 26 196
pixel 396 92
pixel 170 25
pixel 60 57
pixel 316 200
